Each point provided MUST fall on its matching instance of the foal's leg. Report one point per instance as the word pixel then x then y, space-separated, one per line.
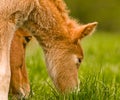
pixel 19 85
pixel 25 81
pixel 6 34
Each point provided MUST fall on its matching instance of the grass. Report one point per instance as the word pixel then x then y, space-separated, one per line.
pixel 99 72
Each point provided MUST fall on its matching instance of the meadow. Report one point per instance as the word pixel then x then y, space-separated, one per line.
pixel 99 72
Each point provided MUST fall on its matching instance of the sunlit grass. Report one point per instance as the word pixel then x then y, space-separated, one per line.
pixel 99 72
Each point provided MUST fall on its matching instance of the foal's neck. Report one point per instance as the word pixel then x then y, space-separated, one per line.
pixel 47 23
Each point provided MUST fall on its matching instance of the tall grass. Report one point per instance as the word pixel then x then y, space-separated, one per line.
pixel 99 72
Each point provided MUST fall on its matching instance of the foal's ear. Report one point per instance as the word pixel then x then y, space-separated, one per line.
pixel 83 31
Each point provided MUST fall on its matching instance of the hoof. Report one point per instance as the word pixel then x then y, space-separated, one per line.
pixel 22 93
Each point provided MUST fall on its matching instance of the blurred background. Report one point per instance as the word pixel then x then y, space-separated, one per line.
pixel 106 12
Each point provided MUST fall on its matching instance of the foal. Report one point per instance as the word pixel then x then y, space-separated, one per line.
pixel 56 32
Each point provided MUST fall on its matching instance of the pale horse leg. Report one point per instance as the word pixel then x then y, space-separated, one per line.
pixel 6 34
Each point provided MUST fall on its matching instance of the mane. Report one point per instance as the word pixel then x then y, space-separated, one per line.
pixel 70 23
pixel 62 8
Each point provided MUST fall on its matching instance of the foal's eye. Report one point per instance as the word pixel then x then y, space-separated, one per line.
pixel 78 62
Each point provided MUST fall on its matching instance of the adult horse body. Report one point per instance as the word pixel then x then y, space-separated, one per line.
pixel 55 31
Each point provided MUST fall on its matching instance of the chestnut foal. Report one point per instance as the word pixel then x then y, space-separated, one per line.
pixel 56 32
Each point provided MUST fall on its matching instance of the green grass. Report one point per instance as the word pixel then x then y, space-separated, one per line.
pixel 99 72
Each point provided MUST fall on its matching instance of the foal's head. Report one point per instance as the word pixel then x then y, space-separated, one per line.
pixel 59 37
pixel 64 57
